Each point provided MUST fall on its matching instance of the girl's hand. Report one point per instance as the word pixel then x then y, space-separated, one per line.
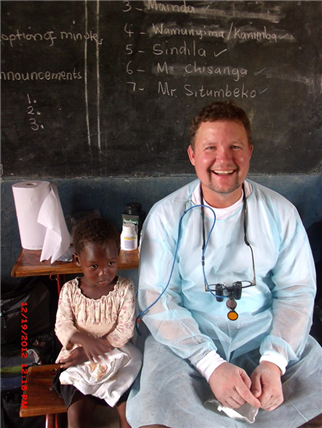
pixel 94 348
pixel 77 356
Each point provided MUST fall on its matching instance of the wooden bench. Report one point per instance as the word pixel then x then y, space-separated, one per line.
pixel 41 399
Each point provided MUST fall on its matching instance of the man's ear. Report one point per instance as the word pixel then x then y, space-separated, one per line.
pixel 191 155
pixel 251 150
pixel 76 259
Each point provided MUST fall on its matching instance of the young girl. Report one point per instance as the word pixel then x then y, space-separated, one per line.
pixel 95 321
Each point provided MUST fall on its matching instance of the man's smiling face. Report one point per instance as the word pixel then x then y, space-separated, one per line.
pixel 221 157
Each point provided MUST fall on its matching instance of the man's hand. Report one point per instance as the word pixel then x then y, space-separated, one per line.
pixel 231 386
pixel 267 385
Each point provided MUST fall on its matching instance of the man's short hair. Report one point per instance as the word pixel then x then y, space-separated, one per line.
pixel 220 110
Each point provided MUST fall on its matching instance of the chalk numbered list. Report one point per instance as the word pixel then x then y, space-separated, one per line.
pixel 200 47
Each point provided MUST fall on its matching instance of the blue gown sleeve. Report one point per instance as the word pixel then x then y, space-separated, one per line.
pixel 293 292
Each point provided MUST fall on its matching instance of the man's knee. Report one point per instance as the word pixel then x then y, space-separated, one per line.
pixel 154 426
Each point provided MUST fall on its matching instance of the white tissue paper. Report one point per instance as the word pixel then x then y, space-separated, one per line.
pixel 245 413
pixel 40 218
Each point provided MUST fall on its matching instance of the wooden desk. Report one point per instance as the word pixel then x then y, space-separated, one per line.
pixel 41 398
pixel 29 264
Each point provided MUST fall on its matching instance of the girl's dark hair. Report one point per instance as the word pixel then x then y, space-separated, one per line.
pixel 220 110
pixel 94 230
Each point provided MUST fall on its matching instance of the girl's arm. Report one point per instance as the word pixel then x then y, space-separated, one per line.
pixel 65 326
pixel 94 347
pixel 125 323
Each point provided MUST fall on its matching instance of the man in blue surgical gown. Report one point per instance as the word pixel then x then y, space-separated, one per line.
pixel 226 289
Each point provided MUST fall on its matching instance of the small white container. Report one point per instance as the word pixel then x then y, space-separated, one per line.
pixel 129 237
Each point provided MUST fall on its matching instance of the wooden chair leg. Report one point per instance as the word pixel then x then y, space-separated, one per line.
pixel 50 421
pixel 57 421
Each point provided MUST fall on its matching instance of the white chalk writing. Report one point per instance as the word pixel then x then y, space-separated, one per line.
pixel 169 7
pixel 184 49
pixel 93 37
pixel 193 69
pixel 50 37
pixel 35 37
pixel 32 113
pixel 40 75
pixel 272 13
pixel 231 33
pixel 225 91
pixel 173 30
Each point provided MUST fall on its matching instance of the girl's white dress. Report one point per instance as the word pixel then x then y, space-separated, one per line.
pixel 113 317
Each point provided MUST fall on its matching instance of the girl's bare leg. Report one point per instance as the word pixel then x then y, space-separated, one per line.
pixel 121 413
pixel 79 413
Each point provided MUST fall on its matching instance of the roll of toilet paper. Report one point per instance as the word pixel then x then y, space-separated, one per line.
pixel 29 197
pixel 40 218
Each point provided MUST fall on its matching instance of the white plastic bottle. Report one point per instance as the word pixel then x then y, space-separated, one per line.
pixel 129 237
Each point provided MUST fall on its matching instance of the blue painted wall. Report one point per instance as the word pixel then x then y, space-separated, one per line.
pixel 111 194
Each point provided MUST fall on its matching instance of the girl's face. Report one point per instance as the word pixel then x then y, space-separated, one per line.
pixel 99 264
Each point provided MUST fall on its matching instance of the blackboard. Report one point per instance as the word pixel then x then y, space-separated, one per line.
pixel 108 88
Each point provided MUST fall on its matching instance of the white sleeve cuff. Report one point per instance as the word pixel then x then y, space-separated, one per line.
pixel 208 364
pixel 276 359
